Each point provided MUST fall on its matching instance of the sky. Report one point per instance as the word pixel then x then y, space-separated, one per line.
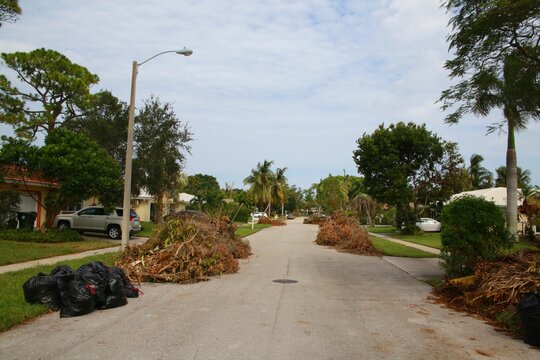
pixel 296 82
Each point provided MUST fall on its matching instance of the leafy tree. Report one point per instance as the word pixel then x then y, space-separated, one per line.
pixel 395 162
pixel 53 88
pixel 104 118
pixel 523 177
pixel 9 205
pixel 309 195
pixel 9 11
pixel 261 180
pixel 481 178
pixel 76 167
pixel 333 193
pixel 295 198
pixel 438 181
pixel 497 58
pixel 160 141
pixel 206 189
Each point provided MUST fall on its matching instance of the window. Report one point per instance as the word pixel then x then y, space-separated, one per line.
pixel 75 207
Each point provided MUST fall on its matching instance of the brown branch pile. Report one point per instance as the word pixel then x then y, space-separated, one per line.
pixel 344 233
pixel 270 221
pixel 498 286
pixel 188 248
pixel 505 282
pixel 315 220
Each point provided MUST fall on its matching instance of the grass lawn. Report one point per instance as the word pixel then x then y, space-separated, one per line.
pixel 13 308
pixel 431 239
pixel 245 229
pixel 148 227
pixel 389 248
pixel 520 246
pixel 16 251
pixel 384 229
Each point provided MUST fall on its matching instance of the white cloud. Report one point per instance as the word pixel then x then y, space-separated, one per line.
pixel 293 81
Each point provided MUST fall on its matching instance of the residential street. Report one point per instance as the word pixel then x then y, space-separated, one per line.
pixel 342 306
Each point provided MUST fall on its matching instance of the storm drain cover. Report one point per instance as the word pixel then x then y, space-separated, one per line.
pixel 284 281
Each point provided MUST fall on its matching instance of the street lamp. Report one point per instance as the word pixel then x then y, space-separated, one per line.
pixel 129 145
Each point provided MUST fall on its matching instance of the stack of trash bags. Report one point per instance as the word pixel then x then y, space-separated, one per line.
pixel 75 293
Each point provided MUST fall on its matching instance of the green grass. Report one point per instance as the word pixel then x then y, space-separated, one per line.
pixel 245 229
pixel 389 248
pixel 520 246
pixel 430 239
pixel 386 229
pixel 435 282
pixel 14 309
pixel 148 227
pixel 12 252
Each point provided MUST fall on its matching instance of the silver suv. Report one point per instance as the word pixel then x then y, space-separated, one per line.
pixel 96 219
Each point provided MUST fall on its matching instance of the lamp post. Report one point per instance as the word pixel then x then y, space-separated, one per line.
pixel 129 145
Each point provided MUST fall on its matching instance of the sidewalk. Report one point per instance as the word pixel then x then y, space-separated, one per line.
pixel 56 259
pixel 419 268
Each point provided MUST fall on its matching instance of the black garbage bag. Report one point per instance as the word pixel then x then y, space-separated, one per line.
pixel 78 297
pixel 96 274
pixel 114 293
pixel 130 290
pixel 42 289
pixel 529 313
pixel 62 270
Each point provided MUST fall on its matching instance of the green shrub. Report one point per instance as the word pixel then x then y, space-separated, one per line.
pixel 50 236
pixel 473 229
pixel 239 213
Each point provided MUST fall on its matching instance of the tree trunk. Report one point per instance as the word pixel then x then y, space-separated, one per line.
pixel 158 216
pixel 511 184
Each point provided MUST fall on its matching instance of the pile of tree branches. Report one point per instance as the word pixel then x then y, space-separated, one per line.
pixel 188 248
pixel 497 289
pixel 270 221
pixel 345 234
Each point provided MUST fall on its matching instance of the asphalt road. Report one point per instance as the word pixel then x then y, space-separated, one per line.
pixel 341 306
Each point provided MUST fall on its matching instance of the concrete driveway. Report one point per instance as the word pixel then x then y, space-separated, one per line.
pixel 341 306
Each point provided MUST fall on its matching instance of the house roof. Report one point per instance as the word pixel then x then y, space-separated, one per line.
pixel 185 197
pixel 17 175
pixel 144 195
pixel 497 195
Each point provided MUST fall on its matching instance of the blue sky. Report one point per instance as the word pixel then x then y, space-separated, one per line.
pixel 297 82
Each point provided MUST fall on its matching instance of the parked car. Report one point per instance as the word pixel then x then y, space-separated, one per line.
pixel 258 214
pixel 429 225
pixel 96 219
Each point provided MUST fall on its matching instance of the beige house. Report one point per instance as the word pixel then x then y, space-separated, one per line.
pixel 496 195
pixel 145 207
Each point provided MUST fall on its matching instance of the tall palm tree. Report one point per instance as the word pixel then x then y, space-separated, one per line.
pixel 278 188
pixel 515 89
pixel 261 180
pixel 481 178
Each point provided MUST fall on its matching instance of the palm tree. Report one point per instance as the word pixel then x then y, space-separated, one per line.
pixel 364 204
pixel 523 177
pixel 278 188
pixel 261 180
pixel 481 178
pixel 515 89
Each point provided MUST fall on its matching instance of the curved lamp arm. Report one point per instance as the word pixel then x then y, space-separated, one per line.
pixel 184 51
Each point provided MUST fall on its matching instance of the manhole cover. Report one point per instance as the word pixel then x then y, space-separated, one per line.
pixel 284 281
